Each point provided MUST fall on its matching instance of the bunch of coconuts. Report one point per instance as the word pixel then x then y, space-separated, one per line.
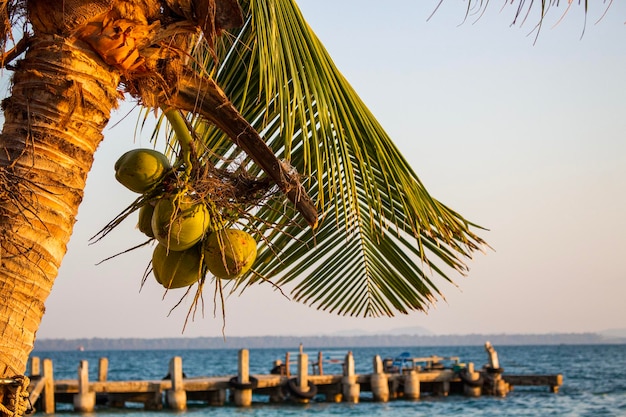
pixel 189 242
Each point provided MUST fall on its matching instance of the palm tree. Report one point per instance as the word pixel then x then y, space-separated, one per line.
pixel 221 71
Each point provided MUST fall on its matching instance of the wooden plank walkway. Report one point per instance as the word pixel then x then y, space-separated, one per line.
pixel 383 384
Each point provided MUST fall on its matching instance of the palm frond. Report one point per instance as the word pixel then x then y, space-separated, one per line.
pixel 382 235
pixel 11 13
pixel 523 10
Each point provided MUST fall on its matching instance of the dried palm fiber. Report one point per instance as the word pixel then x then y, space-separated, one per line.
pixel 16 401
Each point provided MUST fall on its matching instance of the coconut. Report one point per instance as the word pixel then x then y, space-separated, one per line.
pixel 141 169
pixel 179 227
pixel 145 219
pixel 176 269
pixel 229 253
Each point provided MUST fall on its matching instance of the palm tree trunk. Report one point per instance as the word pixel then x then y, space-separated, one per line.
pixel 61 101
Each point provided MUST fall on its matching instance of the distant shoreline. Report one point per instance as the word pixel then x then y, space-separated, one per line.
pixel 334 341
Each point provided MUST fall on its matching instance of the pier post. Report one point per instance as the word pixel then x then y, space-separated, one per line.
pixel 303 371
pixel 287 365
pixel 494 384
pixel 493 356
pixel 85 400
pixel 301 391
pixel 103 369
pixel 554 388
pixel 350 388
pixel 379 381
pixel 411 385
pixel 35 366
pixel 472 381
pixel 177 396
pixel 36 380
pixel 47 395
pixel 243 396
pixel 320 363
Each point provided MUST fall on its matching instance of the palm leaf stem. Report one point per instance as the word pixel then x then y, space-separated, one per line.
pixel 217 108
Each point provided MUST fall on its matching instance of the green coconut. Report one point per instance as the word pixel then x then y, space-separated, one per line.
pixel 179 227
pixel 141 169
pixel 145 219
pixel 176 269
pixel 229 253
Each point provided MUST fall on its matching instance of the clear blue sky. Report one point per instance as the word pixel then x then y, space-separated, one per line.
pixel 525 139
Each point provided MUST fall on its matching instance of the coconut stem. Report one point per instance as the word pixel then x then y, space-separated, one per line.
pixel 176 120
pixel 185 140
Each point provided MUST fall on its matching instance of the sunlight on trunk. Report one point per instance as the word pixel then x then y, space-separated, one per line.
pixel 54 119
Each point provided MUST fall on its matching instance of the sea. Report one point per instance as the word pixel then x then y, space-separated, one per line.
pixel 594 381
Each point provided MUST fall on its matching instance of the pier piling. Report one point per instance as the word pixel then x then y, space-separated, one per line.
pixel 303 374
pixel 103 369
pixel 493 355
pixel 379 381
pixel 302 391
pixel 350 388
pixel 242 388
pixel 472 381
pixel 85 399
pixel 35 366
pixel 411 385
pixel 47 395
pixel 320 363
pixel 177 396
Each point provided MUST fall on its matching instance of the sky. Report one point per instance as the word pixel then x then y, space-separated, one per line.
pixel 523 136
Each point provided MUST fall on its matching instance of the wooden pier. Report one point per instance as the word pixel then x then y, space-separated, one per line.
pixel 389 380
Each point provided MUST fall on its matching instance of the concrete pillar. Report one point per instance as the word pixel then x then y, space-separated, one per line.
pixel 302 377
pixel 303 372
pixel 85 400
pixel 47 395
pixel 493 355
pixel 411 385
pixel 177 396
pixel 502 387
pixel 243 397
pixel 472 385
pixel 494 384
pixel 379 381
pixel 350 388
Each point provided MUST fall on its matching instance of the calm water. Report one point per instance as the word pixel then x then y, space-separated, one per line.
pixel 594 381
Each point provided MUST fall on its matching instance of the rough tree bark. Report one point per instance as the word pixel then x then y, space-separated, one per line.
pixel 60 102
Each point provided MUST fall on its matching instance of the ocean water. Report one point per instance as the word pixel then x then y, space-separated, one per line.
pixel 594 381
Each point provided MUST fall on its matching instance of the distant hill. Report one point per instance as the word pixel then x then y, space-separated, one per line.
pixel 332 341
pixel 614 333
pixel 398 331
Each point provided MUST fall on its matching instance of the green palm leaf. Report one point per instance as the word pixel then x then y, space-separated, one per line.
pixel 382 235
